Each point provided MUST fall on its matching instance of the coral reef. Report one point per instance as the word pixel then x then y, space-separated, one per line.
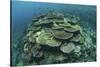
pixel 53 38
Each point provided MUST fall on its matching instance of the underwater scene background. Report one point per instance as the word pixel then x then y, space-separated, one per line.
pixel 22 15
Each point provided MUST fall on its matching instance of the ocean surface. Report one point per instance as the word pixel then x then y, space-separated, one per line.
pixel 23 13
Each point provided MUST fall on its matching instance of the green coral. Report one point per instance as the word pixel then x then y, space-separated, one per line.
pixel 53 38
pixel 53 42
pixel 61 34
pixel 67 48
pixel 76 38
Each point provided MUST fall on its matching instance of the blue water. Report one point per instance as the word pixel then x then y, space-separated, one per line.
pixel 24 12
